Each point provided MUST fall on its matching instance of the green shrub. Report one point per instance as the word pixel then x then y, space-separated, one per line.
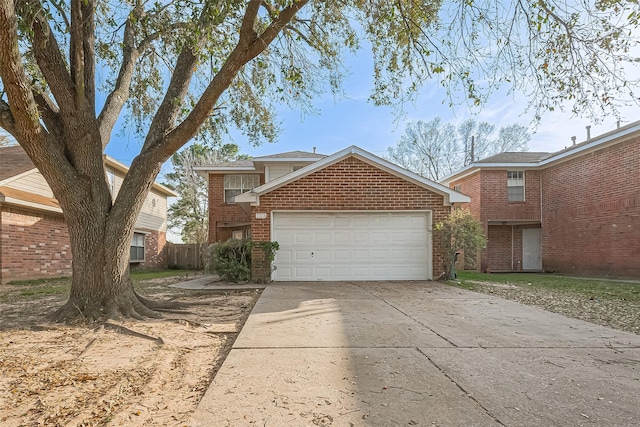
pixel 231 260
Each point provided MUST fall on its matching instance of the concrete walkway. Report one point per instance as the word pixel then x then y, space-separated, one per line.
pixel 213 283
pixel 419 354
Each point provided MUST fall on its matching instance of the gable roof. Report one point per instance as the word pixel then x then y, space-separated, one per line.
pixel 115 164
pixel 235 164
pixel 290 155
pixel 526 160
pixel 13 162
pixel 249 165
pixel 450 196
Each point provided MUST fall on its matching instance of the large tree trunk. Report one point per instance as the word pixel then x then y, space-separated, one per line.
pixel 101 286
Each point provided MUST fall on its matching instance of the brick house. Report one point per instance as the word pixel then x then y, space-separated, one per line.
pixel 347 216
pixel 576 211
pixel 34 242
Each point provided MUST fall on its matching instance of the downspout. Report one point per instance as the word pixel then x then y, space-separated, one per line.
pixel 541 231
pixel 512 248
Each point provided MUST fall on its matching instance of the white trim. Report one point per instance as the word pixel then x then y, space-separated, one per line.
pixel 429 213
pixel 450 196
pixel 24 204
pixel 524 186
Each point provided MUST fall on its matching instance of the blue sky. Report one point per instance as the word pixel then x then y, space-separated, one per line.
pixel 352 120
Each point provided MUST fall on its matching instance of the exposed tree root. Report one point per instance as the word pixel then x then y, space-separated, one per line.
pixel 128 305
pixel 126 331
pixel 158 305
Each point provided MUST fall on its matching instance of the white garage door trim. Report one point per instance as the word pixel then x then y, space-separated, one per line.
pixel 330 245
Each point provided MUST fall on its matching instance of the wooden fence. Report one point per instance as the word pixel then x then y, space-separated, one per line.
pixel 185 256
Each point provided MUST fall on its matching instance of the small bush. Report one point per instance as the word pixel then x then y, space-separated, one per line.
pixel 231 260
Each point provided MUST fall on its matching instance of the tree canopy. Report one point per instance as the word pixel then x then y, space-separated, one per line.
pixel 184 69
pixel 189 213
pixel 435 149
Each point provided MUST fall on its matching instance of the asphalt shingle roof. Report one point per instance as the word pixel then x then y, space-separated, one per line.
pixel 292 155
pixel 13 161
pixel 516 157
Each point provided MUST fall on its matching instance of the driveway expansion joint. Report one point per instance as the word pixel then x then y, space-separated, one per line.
pixel 407 315
pixel 462 389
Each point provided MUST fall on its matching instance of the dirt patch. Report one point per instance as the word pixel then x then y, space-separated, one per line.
pixel 121 373
pixel 615 313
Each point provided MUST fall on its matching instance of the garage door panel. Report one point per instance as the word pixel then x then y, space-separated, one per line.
pixel 365 245
pixel 285 255
pixel 323 237
pixel 302 255
pixel 361 272
pixel 342 237
pixel 302 272
pixel 380 254
pixel 285 237
pixel 342 221
pixel 360 221
pixel 380 236
pixel 361 237
pixel 323 273
pixel 360 255
pixel 303 237
pixel 285 273
pixel 322 221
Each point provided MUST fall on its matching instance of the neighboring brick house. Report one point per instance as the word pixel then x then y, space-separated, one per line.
pixel 348 216
pixel 34 242
pixel 576 211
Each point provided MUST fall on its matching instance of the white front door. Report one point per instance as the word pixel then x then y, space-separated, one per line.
pixel 531 253
pixel 352 245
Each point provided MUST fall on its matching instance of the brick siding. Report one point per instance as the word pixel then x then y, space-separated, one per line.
pixel 155 256
pixel 591 206
pixel 221 212
pixel 350 184
pixel 33 245
pixel 590 213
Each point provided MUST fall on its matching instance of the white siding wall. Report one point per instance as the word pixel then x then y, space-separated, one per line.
pixel 153 215
pixel 278 170
pixel 32 183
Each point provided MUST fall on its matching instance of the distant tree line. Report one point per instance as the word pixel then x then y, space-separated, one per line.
pixel 435 149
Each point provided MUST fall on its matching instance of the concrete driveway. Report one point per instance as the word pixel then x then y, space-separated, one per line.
pixel 419 354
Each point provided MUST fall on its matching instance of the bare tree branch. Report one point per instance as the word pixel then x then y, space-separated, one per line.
pixel 48 55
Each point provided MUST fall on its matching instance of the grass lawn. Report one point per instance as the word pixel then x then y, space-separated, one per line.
pixel 61 285
pixel 592 288
pixel 611 303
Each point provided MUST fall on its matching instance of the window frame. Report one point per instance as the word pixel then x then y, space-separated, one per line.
pixel 244 187
pixel 511 184
pixel 138 247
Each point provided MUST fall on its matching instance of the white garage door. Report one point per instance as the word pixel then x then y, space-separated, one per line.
pixel 352 245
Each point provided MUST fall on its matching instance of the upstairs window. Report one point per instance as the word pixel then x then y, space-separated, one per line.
pixel 515 186
pixel 136 253
pixel 238 184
